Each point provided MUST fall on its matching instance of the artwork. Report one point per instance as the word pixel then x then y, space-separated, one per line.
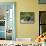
pixel 42 1
pixel 27 17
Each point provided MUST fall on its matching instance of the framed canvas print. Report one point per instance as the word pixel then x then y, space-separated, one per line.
pixel 27 17
pixel 7 20
pixel 42 1
pixel 42 22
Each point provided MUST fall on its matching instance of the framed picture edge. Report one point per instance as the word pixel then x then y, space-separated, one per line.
pixel 39 22
pixel 28 23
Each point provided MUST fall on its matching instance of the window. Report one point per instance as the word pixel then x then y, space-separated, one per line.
pixel 7 21
pixel 42 22
pixel 42 1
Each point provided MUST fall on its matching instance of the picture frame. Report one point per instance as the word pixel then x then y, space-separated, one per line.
pixel 42 1
pixel 27 17
pixel 42 22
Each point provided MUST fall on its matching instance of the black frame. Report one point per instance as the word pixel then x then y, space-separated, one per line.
pixel 41 2
pixel 39 21
pixel 39 25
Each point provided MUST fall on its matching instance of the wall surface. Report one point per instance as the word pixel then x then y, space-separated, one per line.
pixel 27 30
